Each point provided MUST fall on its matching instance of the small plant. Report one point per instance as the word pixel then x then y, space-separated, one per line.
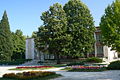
pixel 114 65
pixel 94 60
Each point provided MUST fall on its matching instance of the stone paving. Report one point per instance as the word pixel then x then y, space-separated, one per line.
pixel 106 75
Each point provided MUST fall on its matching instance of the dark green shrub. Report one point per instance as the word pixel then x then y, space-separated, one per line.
pixel 94 60
pixel 114 65
pixel 87 70
pixel 16 62
pixel 75 63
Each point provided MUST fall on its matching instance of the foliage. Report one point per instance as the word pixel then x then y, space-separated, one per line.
pixel 114 65
pixel 28 75
pixel 85 68
pixel 80 27
pixel 52 34
pixel 110 26
pixel 6 47
pixel 75 63
pixel 16 62
pixel 18 45
pixel 94 60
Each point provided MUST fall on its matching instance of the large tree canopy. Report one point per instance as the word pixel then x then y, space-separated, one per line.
pixel 80 27
pixel 6 47
pixel 53 32
pixel 110 26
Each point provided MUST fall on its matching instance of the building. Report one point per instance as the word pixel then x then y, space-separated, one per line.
pixel 103 51
pixel 99 50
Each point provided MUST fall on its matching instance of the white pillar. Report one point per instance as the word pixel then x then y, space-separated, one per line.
pixel 29 48
pixel 95 45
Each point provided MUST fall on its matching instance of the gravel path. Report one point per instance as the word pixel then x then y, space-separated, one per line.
pixel 106 75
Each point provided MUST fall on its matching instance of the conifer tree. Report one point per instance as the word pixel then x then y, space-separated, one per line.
pixel 18 45
pixel 6 46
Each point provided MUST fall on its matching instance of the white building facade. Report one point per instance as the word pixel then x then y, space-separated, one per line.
pixel 99 51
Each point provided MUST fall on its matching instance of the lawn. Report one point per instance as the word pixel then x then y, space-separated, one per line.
pixel 57 65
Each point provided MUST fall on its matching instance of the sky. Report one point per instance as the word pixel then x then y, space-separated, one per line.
pixel 25 14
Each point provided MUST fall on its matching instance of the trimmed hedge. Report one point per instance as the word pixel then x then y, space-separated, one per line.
pixel 114 65
pixel 17 62
pixel 87 70
pixel 75 63
pixel 94 60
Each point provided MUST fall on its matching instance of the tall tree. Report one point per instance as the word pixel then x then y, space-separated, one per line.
pixel 53 32
pixel 18 45
pixel 80 27
pixel 110 26
pixel 6 46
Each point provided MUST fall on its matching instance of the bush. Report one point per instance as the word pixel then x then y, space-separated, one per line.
pixel 16 62
pixel 87 70
pixel 94 60
pixel 28 75
pixel 114 65
pixel 75 63
pixel 9 75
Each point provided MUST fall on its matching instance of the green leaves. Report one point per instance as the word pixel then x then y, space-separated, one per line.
pixel 110 27
pixel 18 44
pixel 68 30
pixel 80 27
pixel 53 31
pixel 6 46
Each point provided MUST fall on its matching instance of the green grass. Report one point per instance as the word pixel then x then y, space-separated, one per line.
pixel 57 65
pixel 67 68
pixel 98 64
pixel 20 69
pixel 41 78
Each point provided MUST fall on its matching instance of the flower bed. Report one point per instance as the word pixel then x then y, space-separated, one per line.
pixel 28 75
pixel 32 67
pixel 24 67
pixel 85 68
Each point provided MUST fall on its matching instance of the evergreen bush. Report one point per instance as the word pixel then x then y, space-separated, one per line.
pixel 114 65
pixel 94 60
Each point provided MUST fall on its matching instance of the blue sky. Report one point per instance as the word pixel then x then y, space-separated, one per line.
pixel 25 14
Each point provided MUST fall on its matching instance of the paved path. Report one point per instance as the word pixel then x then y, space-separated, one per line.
pixel 106 75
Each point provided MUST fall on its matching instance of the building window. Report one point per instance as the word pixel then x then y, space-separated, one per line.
pixel 98 37
pixel 99 49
